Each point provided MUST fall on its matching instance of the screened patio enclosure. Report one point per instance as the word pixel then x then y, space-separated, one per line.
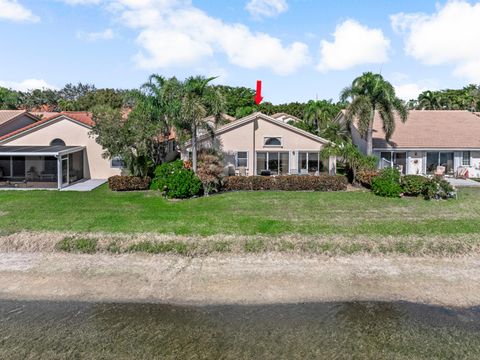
pixel 41 167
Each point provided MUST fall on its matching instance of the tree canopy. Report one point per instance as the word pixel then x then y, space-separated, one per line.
pixel 371 93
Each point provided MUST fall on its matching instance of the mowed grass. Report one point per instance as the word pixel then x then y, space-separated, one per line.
pixel 245 213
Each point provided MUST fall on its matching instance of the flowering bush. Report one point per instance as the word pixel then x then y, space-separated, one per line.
pixel 210 172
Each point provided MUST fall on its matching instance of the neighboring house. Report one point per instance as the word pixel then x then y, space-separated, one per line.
pixel 286 118
pixel 11 120
pixel 426 140
pixel 54 152
pixel 171 142
pixel 260 144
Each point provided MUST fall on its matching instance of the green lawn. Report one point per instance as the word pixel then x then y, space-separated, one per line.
pixel 245 213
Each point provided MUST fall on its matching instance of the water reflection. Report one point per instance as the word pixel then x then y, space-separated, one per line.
pixel 361 330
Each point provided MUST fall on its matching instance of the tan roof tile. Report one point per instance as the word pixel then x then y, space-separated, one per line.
pixel 431 129
pixel 7 115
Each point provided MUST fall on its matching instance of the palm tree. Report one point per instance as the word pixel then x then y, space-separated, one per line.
pixel 335 131
pixel 429 100
pixel 317 114
pixel 189 103
pixel 371 93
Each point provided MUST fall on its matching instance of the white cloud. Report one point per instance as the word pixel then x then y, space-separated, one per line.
pixel 267 8
pixel 175 33
pixel 14 11
pixel 409 91
pixel 81 2
pixel 407 88
pixel 28 84
pixel 448 36
pixel 106 34
pixel 353 44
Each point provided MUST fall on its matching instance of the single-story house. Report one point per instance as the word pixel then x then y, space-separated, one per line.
pixel 260 144
pixel 53 152
pixel 428 139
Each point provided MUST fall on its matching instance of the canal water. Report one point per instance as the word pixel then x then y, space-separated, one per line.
pixel 353 330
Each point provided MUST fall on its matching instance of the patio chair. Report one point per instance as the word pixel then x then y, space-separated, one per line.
pixel 440 171
pixel 242 171
pixel 462 173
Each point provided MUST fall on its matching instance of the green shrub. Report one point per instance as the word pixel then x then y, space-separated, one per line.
pixel 387 183
pixel 177 181
pixel 287 183
pixel 85 246
pixel 413 185
pixel 128 183
pixel 163 172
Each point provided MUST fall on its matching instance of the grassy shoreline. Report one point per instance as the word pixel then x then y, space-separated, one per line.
pixel 188 246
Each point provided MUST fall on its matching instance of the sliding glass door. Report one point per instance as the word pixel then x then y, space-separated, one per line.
pixel 274 163
pixel 309 163
pixel 437 158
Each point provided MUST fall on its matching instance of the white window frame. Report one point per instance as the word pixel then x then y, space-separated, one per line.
pixel 265 138
pixel 236 158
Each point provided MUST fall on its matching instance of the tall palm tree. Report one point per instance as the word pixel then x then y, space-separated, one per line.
pixel 429 100
pixel 317 113
pixel 190 102
pixel 371 93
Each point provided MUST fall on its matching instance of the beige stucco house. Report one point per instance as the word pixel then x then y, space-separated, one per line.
pixel 54 152
pixel 429 138
pixel 260 144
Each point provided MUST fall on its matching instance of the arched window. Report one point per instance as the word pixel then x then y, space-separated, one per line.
pixel 273 141
pixel 57 142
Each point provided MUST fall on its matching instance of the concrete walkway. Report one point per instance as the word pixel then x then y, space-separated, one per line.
pixel 463 182
pixel 87 185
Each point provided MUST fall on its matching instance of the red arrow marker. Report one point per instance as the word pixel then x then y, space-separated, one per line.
pixel 258 95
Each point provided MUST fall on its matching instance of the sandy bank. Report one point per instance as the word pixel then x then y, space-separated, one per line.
pixel 245 279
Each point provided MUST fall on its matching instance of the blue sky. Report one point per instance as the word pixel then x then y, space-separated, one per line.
pixel 300 49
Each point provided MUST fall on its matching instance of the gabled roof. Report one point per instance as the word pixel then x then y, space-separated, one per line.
pixel 224 117
pixel 259 115
pixel 284 116
pixel 9 115
pixel 431 129
pixel 82 118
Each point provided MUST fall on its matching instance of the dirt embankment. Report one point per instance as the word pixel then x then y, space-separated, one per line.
pixel 239 278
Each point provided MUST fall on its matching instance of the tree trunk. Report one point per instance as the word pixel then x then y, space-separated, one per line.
pixel 369 135
pixel 194 147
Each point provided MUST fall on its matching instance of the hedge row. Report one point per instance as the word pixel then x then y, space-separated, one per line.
pixel 128 183
pixel 287 183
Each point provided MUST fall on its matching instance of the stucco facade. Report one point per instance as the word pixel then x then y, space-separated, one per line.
pixel 261 143
pixel 427 139
pixel 73 134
